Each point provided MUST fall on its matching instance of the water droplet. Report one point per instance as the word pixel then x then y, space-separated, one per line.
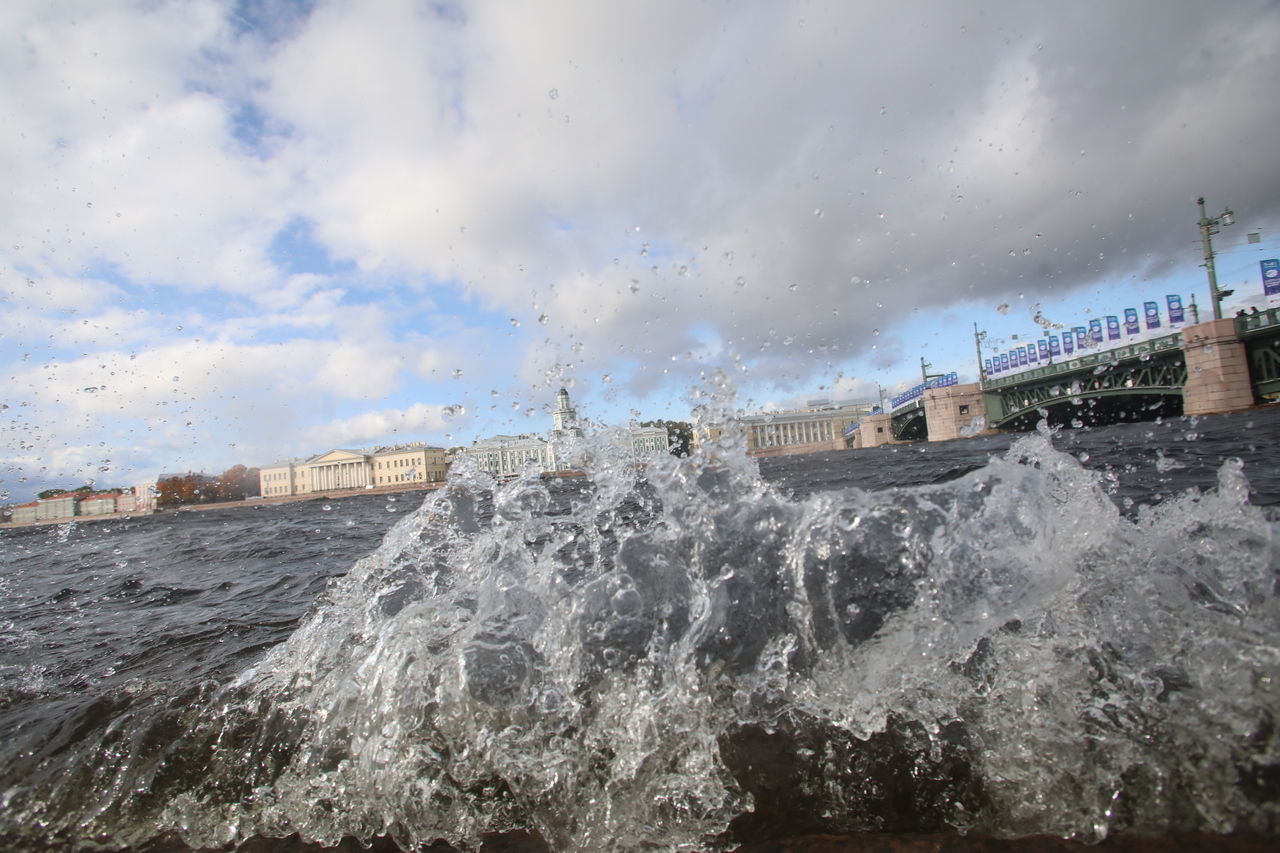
pixel 326 507
pixel 634 286
pixel 606 377
pixel 875 332
pixel 793 287
pixel 457 373
pixel 1003 308
pixel 554 93
pixel 740 281
pixel 515 324
pixel 817 211
pixel 542 319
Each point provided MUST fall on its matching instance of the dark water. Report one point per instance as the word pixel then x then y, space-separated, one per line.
pixel 1010 635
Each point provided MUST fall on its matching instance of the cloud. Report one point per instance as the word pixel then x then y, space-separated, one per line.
pixel 388 425
pixel 349 202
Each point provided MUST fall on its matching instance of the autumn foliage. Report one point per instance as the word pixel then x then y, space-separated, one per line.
pixel 234 484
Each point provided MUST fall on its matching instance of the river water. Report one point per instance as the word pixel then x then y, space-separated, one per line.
pixel 1074 633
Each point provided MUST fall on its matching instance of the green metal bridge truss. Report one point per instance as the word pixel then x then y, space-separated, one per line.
pixel 908 423
pixel 1261 335
pixel 1156 367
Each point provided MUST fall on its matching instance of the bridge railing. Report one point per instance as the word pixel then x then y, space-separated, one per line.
pixel 1070 364
pixel 1252 322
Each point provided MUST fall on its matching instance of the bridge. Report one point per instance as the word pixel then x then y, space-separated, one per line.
pixel 1221 365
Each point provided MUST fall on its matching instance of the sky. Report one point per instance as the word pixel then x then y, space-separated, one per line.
pixel 237 232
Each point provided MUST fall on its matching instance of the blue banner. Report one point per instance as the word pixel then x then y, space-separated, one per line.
pixel 1152 310
pixel 1033 354
pixel 1068 342
pixel 1022 356
pixel 1080 332
pixel 1271 277
pixel 1113 327
pixel 1004 361
pixel 918 391
pixel 1055 348
pixel 987 364
pixel 1095 330
pixel 1131 326
pixel 1175 309
pixel 1044 349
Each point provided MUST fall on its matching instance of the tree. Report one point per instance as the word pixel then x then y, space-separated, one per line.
pixel 235 484
pixel 679 435
pixel 183 489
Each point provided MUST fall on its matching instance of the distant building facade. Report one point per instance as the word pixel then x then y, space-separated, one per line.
pixel 649 441
pixel 24 513
pixel 817 427
pixel 508 455
pixel 80 504
pixel 341 469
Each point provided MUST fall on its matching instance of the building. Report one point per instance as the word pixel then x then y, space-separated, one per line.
pixel 817 427
pixel 343 469
pixel 508 455
pixel 564 420
pixel 97 504
pixel 24 513
pixel 649 441
pixel 58 506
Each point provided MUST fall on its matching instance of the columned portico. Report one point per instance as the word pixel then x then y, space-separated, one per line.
pixel 340 469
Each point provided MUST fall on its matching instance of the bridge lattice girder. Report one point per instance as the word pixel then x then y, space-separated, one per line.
pixel 1161 375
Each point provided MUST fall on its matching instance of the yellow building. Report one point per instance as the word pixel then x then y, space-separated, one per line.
pixel 341 469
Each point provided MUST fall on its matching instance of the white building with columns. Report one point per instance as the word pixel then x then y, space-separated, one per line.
pixel 818 427
pixel 342 469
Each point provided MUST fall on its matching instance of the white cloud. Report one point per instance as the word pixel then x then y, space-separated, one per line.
pixel 349 205
pixel 387 425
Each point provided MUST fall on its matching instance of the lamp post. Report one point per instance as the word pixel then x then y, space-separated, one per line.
pixel 1210 225
pixel 978 338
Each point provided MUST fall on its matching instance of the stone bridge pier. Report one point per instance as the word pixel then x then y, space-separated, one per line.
pixel 956 411
pixel 1217 369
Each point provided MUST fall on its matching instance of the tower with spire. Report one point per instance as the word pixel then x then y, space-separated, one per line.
pixel 564 419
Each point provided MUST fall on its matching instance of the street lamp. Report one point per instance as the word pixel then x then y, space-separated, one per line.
pixel 1210 225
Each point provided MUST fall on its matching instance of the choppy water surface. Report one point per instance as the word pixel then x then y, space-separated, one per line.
pixel 1073 634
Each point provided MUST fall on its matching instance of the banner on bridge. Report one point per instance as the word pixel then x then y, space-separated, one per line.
pixel 1152 310
pixel 1095 330
pixel 1131 326
pixel 1271 276
pixel 918 391
pixel 1175 309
